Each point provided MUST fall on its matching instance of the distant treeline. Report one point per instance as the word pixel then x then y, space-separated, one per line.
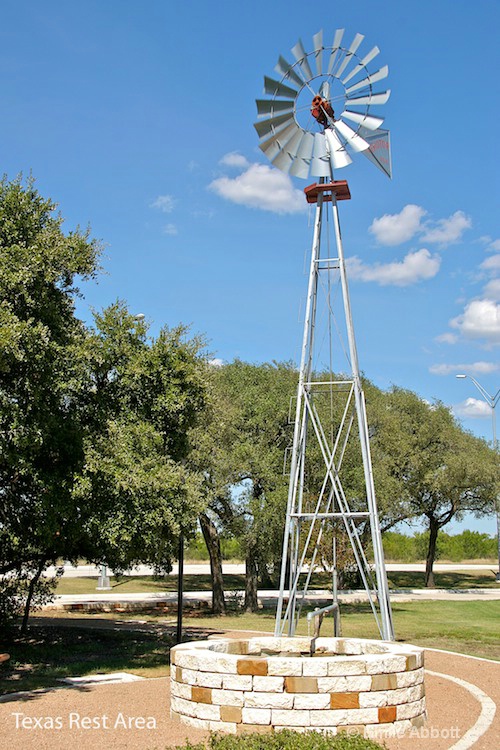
pixel 469 545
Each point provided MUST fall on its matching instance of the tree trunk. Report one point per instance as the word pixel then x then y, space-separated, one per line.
pixel 31 590
pixel 431 553
pixel 251 581
pixel 211 537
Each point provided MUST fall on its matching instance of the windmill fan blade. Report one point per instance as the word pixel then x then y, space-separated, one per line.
pixel 324 90
pixel 300 55
pixel 369 80
pixel 320 164
pixel 350 52
pixel 338 155
pixel 273 145
pixel 289 151
pixel 287 71
pixel 354 140
pixel 364 62
pixel 302 162
pixel 300 168
pixel 271 106
pixel 369 122
pixel 283 160
pixel 275 88
pixel 263 127
pixel 371 98
pixel 335 49
pixel 318 51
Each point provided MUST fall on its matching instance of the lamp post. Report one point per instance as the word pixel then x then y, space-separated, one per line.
pixel 492 401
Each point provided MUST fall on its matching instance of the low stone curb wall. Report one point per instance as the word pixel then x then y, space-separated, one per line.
pixel 305 684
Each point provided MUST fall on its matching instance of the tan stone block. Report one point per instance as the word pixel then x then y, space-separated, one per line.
pixel 386 714
pixel 384 682
pixel 344 700
pixel 301 684
pixel 237 647
pixel 411 662
pixel 252 667
pixel 418 721
pixel 231 714
pixel 201 694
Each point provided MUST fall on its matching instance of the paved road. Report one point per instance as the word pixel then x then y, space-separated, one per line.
pixel 239 568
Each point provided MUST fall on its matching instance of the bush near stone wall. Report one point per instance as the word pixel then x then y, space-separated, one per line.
pixel 285 740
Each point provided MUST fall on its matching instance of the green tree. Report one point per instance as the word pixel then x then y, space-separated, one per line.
pixel 41 444
pixel 445 471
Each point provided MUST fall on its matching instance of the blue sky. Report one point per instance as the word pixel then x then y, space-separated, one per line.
pixel 137 119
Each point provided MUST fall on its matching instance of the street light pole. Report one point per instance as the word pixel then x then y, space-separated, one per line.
pixel 492 401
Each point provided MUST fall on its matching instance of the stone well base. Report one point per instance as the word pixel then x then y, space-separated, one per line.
pixel 312 684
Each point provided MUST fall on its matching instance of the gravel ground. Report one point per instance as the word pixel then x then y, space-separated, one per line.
pixel 136 715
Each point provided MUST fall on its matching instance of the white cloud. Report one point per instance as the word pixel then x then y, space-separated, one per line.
pixel 492 290
pixel 165 203
pixel 217 362
pixel 234 159
pixel 480 320
pixel 261 186
pixel 476 368
pixel 448 230
pixel 473 407
pixel 491 264
pixel 170 229
pixel 447 338
pixel 394 229
pixel 413 268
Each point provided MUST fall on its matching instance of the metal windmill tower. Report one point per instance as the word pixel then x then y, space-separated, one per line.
pixel 303 131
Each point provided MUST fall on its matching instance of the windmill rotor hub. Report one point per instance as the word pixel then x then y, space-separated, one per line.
pixel 322 110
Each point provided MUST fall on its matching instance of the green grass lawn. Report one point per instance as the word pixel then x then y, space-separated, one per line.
pixel 50 652
pixel 148 584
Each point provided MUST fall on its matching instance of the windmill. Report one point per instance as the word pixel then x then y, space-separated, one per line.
pixel 317 112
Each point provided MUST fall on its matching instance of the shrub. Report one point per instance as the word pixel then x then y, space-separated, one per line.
pixel 285 740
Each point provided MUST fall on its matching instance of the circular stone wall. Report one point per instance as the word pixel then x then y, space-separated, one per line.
pixel 321 684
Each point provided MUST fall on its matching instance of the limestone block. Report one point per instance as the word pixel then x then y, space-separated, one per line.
pixel 182 706
pixel 302 684
pixel 291 718
pixel 268 684
pixel 332 684
pixel 207 711
pixel 230 714
pixel 209 679
pixel 312 701
pixel 315 667
pixel 410 710
pixel 173 672
pixel 188 676
pixel 238 682
pixel 191 721
pixel 228 697
pixel 268 700
pixel 283 666
pixel 220 663
pixel 256 715
pixel 328 718
pixel 222 726
pixel 384 664
pixel 405 679
pixel 362 715
pixel 188 660
pixel 374 699
pixel 346 665
pixel 255 645
pixel 180 690
pixel 358 683
pixel 254 728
